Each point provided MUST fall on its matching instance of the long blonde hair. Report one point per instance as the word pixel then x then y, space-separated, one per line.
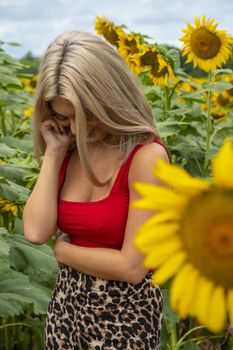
pixel 90 73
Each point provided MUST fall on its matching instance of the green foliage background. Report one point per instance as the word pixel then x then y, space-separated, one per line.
pixel 28 271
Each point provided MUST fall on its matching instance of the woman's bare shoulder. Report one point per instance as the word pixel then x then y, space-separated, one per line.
pixel 145 160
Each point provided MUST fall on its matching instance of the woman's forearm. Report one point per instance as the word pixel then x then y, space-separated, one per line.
pixel 104 263
pixel 40 211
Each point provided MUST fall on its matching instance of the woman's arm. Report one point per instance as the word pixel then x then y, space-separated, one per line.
pixel 112 264
pixel 40 211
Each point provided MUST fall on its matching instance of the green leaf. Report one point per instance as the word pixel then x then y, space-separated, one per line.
pixel 222 71
pixel 19 229
pixel 13 43
pixel 37 261
pixel 4 251
pixel 191 346
pixel 217 86
pixel 11 304
pixel 13 192
pixel 10 61
pixel 14 173
pixel 175 56
pixel 193 96
pixel 7 80
pixel 17 293
pixel 6 151
pixel 169 127
pixel 168 312
pixel 13 142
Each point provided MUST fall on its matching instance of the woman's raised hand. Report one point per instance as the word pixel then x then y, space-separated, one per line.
pixel 56 136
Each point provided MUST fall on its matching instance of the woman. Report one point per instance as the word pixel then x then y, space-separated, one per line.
pixel 95 131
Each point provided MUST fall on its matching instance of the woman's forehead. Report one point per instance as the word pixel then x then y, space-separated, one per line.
pixel 62 106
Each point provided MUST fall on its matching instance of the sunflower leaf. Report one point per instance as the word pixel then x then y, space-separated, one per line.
pixel 37 261
pixel 222 71
pixel 17 293
pixel 217 86
pixel 4 252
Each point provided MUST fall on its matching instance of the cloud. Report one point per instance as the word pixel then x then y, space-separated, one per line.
pixel 36 23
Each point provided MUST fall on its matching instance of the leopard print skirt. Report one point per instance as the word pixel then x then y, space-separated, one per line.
pixel 88 313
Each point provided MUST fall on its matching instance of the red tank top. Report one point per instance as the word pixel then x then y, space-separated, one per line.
pixel 100 223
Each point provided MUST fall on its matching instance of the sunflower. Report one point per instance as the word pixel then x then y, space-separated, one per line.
pixel 129 44
pixel 8 206
pixel 190 238
pixel 30 84
pixel 28 112
pixel 108 30
pixel 156 66
pixel 206 46
pixel 220 102
pixel 128 47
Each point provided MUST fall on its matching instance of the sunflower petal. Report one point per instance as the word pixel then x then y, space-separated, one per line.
pixel 178 286
pixel 160 252
pixel 230 306
pixel 186 302
pixel 160 218
pixel 155 234
pixel 222 165
pixel 169 268
pixel 157 197
pixel 217 310
pixel 200 306
pixel 179 178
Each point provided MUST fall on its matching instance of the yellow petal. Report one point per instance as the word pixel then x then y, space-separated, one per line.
pixel 14 209
pixel 222 165
pixel 186 302
pixel 178 286
pixel 217 310
pixel 230 306
pixel 169 268
pixel 201 303
pixel 160 218
pixel 158 253
pixel 145 238
pixel 179 179
pixel 7 207
pixel 157 197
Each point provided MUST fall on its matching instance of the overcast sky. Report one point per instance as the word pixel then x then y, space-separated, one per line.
pixel 35 23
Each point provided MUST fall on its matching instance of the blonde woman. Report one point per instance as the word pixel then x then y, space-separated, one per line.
pixel 95 131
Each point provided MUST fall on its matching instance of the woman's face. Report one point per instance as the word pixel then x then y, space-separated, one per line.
pixel 63 112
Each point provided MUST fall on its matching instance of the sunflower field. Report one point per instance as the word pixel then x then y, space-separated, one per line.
pixel 189 242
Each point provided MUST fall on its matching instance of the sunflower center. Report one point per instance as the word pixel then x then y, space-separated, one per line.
pixel 207 235
pixel 112 37
pixel 161 73
pixel 204 43
pixel 150 58
pixel 222 101
pixel 230 91
pixel 131 45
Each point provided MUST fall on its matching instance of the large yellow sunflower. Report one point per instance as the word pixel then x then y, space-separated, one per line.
pixel 205 45
pixel 190 238
pixel 108 30
pixel 128 47
pixel 158 69
pixel 8 206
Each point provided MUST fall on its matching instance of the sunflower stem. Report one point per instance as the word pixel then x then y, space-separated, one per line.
pixel 181 340
pixel 208 126
pixel 167 102
pixel 173 335
pixel 4 326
